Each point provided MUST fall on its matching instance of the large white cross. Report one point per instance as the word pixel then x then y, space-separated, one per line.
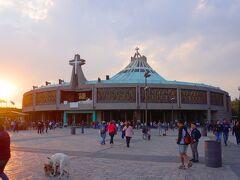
pixel 76 61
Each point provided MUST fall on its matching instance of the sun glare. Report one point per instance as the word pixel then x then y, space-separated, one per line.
pixel 6 90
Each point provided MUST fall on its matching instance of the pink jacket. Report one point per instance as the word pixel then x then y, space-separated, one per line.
pixel 128 131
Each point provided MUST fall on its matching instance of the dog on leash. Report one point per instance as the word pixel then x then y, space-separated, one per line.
pixel 58 161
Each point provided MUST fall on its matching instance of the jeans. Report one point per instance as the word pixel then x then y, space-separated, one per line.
pixel 195 151
pixel 225 138
pixel 103 136
pixel 111 137
pixel 237 138
pixel 218 136
pixel 123 134
pixel 2 166
pixel 160 131
pixel 128 140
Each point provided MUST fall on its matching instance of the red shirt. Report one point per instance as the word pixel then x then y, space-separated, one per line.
pixel 111 128
pixel 4 145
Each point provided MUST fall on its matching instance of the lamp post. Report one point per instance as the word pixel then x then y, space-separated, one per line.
pixel 73 128
pixel 82 127
pixel 172 100
pixel 146 75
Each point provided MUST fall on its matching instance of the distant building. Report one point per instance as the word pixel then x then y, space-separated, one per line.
pixel 122 97
pixel 10 114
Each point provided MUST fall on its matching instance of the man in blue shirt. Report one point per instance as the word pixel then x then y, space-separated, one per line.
pixel 226 127
pixel 218 129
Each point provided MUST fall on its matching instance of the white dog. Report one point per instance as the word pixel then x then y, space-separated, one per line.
pixel 59 160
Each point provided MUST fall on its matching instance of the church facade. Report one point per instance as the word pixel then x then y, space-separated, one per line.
pixel 136 93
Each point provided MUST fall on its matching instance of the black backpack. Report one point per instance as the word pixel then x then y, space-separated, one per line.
pixel 198 134
pixel 144 130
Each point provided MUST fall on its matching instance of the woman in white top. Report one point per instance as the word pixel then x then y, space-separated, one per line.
pixel 128 132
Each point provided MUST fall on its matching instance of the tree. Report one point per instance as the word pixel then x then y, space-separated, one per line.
pixel 236 108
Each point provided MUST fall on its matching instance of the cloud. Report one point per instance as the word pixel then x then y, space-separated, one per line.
pixel 34 9
pixel 6 3
pixel 37 10
pixel 183 50
pixel 201 5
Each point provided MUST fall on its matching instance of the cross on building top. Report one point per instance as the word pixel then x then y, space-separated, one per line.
pixel 76 61
pixel 137 54
pixel 136 49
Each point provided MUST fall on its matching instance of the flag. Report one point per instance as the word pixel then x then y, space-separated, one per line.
pixel 47 83
pixel 147 74
pixel 13 103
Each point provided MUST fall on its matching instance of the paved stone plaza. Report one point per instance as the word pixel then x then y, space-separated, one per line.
pixel 155 159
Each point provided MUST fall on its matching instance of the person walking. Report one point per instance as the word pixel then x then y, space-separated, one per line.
pixel 195 136
pixel 217 130
pixel 46 126
pixel 226 127
pixel 123 133
pixel 42 127
pixel 148 133
pixel 236 131
pixel 165 128
pixel 39 127
pixel 14 126
pixel 128 132
pixel 112 130
pixel 103 132
pixel 183 141
pixel 4 151
pixel 159 128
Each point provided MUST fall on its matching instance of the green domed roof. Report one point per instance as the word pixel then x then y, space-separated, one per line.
pixel 135 70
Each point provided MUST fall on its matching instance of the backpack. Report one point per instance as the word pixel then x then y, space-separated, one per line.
pixel 198 134
pixel 187 138
pixel 144 130
pixel 103 130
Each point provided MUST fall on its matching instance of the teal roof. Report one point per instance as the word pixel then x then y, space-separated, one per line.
pixel 134 73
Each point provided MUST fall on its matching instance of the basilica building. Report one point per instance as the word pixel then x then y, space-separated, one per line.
pixel 136 93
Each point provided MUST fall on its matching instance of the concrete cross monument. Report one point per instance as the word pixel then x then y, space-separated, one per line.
pixel 76 61
pixel 77 73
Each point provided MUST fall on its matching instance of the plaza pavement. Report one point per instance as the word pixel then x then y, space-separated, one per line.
pixel 151 160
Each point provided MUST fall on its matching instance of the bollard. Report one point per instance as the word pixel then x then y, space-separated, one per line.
pixel 73 130
pixel 213 154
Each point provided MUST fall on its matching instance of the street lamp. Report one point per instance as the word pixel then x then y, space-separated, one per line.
pixel 82 127
pixel 73 128
pixel 146 75
pixel 172 100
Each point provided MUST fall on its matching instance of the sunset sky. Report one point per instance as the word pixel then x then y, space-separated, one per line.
pixel 191 40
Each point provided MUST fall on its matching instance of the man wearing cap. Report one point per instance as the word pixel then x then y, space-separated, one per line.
pixel 195 136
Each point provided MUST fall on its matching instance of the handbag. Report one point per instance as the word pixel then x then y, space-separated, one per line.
pixel 187 138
